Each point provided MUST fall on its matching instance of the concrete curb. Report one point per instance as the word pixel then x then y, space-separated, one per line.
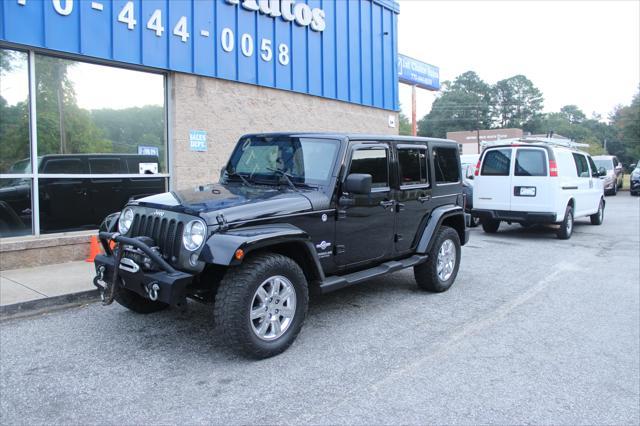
pixel 49 304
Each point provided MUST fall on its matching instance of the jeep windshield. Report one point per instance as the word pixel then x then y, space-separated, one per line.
pixel 272 160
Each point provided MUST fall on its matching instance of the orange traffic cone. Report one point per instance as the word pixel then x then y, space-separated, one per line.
pixel 94 249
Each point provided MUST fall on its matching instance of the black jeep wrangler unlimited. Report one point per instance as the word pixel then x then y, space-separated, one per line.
pixel 292 214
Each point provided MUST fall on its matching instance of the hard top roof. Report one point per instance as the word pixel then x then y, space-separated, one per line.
pixel 352 136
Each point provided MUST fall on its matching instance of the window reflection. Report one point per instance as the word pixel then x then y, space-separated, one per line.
pixel 14 110
pixel 15 207
pixel 92 200
pixel 87 109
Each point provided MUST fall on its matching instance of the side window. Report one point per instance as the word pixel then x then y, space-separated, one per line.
pixel 445 162
pixel 592 164
pixel 63 165
pixel 582 166
pixel 531 162
pixel 497 162
pixel 106 165
pixel 413 166
pixel 615 162
pixel 374 162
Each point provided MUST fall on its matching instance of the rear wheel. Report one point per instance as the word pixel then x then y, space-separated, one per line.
pixel 566 227
pixel 490 226
pixel 261 305
pixel 136 303
pixel 598 217
pixel 439 272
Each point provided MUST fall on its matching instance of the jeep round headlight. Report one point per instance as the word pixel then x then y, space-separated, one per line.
pixel 125 221
pixel 193 235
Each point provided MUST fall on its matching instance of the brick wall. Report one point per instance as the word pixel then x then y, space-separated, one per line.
pixel 226 110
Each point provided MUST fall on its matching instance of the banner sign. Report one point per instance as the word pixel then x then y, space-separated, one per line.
pixel 413 72
pixel 343 50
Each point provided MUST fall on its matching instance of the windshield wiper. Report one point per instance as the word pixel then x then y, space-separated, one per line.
pixel 231 172
pixel 286 175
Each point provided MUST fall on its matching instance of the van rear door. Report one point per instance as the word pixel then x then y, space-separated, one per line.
pixel 530 189
pixel 492 186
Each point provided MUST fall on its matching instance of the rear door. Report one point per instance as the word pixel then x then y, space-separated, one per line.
pixel 413 194
pixel 492 186
pixel 531 191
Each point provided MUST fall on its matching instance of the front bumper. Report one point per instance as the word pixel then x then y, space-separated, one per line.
pixel 166 285
pixel 515 216
pixel 635 184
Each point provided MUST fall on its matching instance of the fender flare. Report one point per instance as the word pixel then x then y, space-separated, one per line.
pixel 221 247
pixel 438 215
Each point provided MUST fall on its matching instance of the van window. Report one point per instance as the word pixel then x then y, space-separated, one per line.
pixel 582 166
pixel 497 162
pixel 445 161
pixel 106 165
pixel 592 164
pixel 413 166
pixel 531 162
pixel 373 162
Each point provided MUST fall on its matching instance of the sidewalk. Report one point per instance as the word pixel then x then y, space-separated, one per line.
pixel 25 288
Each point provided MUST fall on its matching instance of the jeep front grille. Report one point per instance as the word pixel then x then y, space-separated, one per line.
pixel 166 233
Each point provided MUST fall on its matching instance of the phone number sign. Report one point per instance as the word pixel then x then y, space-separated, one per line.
pixel 309 46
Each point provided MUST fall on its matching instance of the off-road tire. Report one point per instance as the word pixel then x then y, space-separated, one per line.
pixel 490 226
pixel 426 274
pixel 566 226
pixel 235 295
pixel 136 303
pixel 598 217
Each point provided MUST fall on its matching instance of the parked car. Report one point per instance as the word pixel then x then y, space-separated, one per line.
pixel 537 183
pixel 614 172
pixel 292 214
pixel 634 181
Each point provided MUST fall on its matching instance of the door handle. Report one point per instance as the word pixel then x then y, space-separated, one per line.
pixel 399 207
pixel 424 198
pixel 386 204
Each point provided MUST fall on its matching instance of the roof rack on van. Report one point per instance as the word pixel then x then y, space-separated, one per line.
pixel 567 143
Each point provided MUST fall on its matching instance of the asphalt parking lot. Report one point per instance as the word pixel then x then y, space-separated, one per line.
pixel 535 330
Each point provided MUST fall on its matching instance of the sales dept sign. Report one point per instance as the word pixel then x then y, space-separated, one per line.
pixel 198 140
pixel 301 13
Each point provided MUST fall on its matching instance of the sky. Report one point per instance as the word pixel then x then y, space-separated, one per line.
pixel 585 53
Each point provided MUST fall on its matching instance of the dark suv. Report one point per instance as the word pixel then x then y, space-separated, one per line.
pixel 292 214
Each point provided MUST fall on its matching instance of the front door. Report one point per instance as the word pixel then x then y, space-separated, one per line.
pixel 364 230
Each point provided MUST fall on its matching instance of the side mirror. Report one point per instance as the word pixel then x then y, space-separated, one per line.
pixel 357 183
pixel 602 171
pixel 632 166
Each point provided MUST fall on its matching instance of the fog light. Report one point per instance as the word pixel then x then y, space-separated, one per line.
pixel 193 259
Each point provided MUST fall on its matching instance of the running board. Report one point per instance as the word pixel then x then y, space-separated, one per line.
pixel 337 282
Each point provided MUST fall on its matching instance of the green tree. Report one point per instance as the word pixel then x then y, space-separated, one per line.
pixel 516 103
pixel 405 125
pixel 626 124
pixel 573 114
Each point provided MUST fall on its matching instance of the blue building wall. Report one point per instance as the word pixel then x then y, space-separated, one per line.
pixel 354 58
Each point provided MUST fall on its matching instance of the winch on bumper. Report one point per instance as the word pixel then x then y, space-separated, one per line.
pixel 151 277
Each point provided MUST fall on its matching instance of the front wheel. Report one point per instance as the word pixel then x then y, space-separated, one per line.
pixel 566 227
pixel 261 305
pixel 598 217
pixel 439 272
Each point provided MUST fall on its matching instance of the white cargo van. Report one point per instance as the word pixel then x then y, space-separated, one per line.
pixel 533 183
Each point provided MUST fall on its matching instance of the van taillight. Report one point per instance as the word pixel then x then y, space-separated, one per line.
pixel 477 172
pixel 553 168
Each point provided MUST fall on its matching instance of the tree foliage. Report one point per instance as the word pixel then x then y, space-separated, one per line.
pixel 516 102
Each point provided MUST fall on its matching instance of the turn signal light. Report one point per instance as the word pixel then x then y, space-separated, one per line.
pixel 239 254
pixel 553 168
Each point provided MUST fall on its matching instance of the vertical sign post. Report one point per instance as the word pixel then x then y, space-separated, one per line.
pixel 414 124
pixel 417 74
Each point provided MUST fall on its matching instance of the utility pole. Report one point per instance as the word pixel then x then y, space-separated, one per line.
pixel 414 124
pixel 478 127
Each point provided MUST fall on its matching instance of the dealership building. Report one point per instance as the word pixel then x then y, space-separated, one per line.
pixel 103 100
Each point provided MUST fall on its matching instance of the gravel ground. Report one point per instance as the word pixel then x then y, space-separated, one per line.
pixel 535 330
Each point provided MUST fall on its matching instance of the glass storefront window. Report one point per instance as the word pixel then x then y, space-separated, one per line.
pixel 95 125
pixel 14 111
pixel 15 207
pixel 86 108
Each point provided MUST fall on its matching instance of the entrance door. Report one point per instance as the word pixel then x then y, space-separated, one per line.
pixel 364 230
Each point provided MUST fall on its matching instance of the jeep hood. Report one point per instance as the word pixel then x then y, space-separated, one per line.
pixel 235 202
